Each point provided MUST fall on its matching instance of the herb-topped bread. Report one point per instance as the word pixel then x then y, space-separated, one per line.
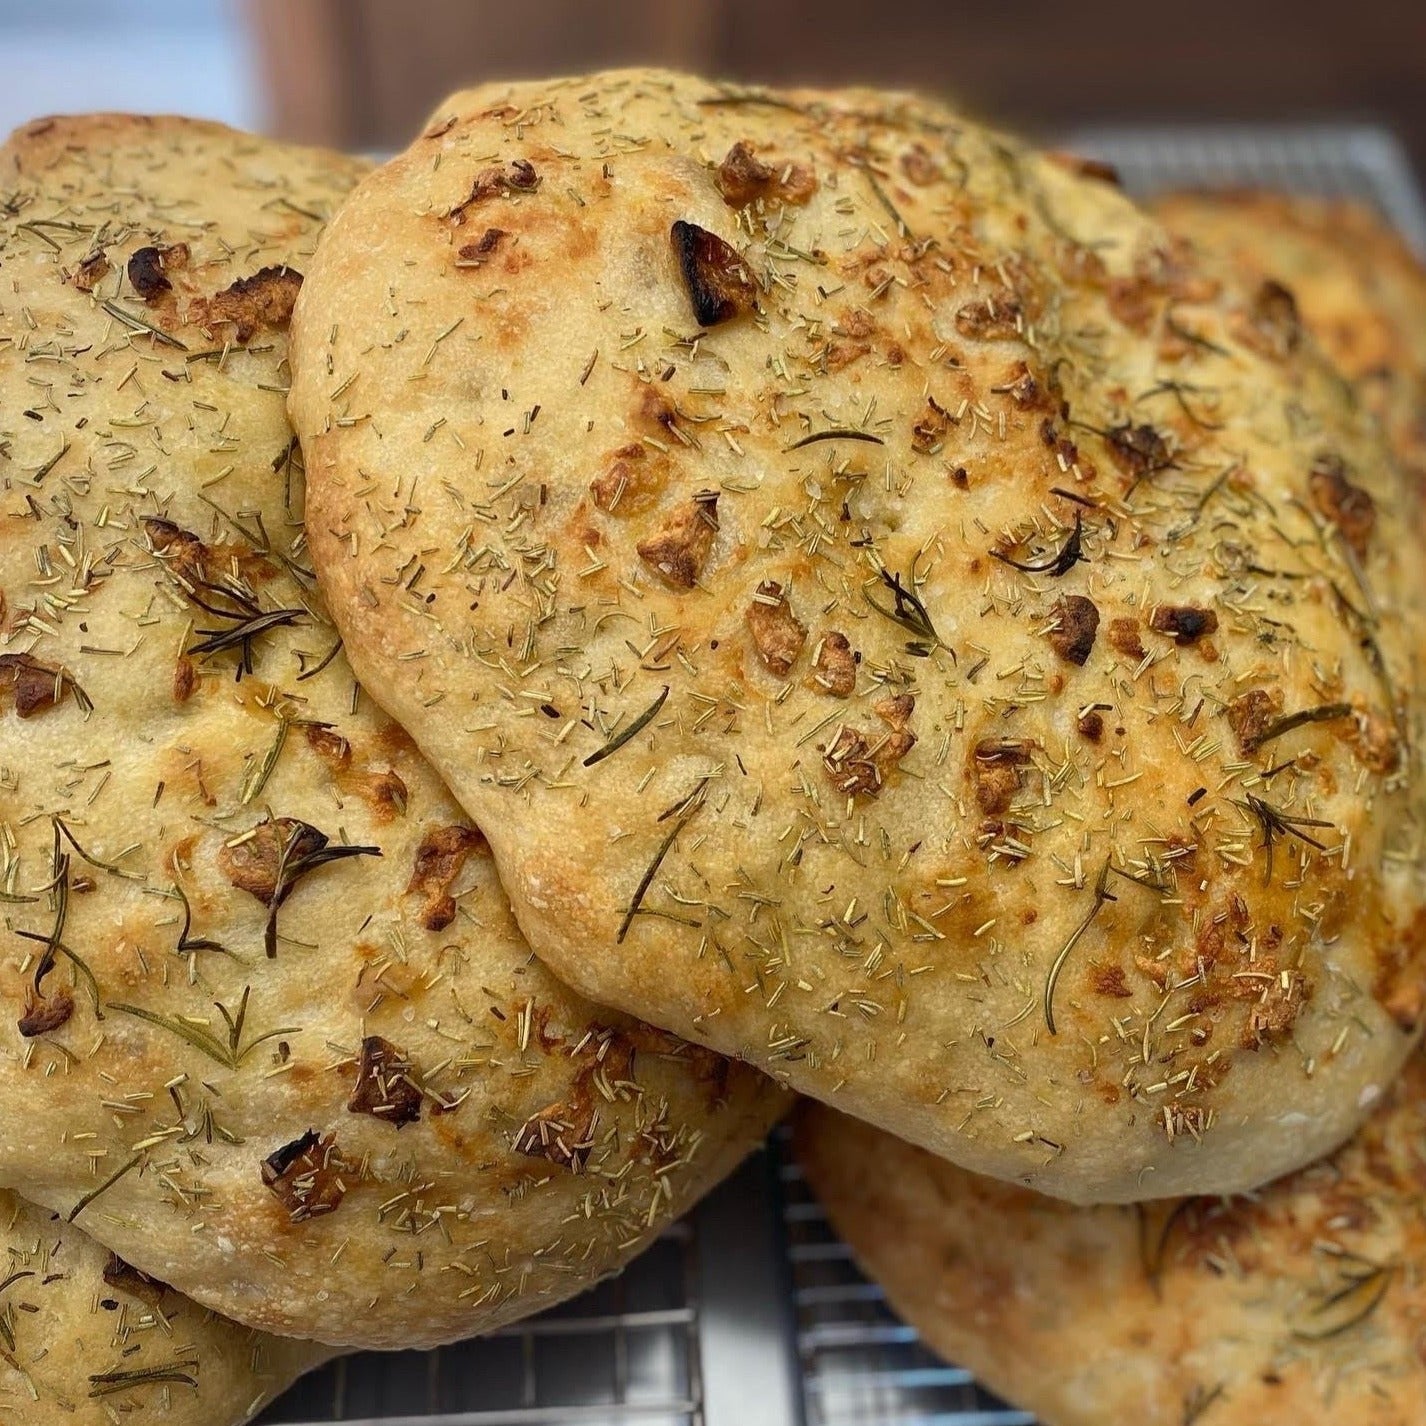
pixel 87 1340
pixel 1299 1303
pixel 1305 1302
pixel 269 1030
pixel 899 616
pixel 1360 289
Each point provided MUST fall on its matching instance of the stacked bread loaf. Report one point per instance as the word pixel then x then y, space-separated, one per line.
pixel 760 592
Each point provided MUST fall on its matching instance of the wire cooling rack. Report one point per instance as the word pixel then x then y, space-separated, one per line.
pixel 751 1312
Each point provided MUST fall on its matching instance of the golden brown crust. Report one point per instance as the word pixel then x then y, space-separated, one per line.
pixel 267 1026
pixel 1360 289
pixel 1303 1303
pixel 87 1340
pixel 954 390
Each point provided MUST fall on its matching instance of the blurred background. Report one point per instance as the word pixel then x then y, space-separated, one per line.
pixel 363 73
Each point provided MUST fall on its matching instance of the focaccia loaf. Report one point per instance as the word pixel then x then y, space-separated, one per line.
pixel 899 616
pixel 1303 1303
pixel 87 1340
pixel 1360 288
pixel 267 1027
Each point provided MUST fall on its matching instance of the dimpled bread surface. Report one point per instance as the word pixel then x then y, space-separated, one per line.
pixel 1360 289
pixel 87 1340
pixel 269 1030
pixel 1304 1302
pixel 899 616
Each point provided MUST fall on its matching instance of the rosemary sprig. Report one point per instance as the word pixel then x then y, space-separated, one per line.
pixel 632 731
pixel 135 323
pixel 242 634
pixel 1349 1306
pixel 53 943
pixel 1366 639
pixel 188 943
pixel 1193 338
pixel 683 812
pixel 911 614
pixel 104 1187
pixel 1324 713
pixel 178 1373
pixel 317 668
pixel 291 870
pixel 257 774
pixel 1074 496
pixel 1157 1220
pixel 62 827
pixel 1176 389
pixel 751 96
pixel 229 1052
pixel 1199 1400
pixel 837 433
pixel 1276 822
pixel 1101 895
pixel 34 230
pixel 53 461
pixel 885 201
pixel 1064 560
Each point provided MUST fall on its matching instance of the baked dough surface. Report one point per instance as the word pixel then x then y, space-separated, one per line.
pixel 85 1340
pixel 899 616
pixel 1305 1302
pixel 267 1027
pixel 1360 289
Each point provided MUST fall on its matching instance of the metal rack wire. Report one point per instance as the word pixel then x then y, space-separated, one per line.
pixel 859 1364
pixel 625 1352
pixel 1334 160
pixel 752 1313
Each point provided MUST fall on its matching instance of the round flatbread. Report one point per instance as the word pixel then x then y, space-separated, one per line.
pixel 898 616
pixel 269 1030
pixel 1360 289
pixel 1304 1302
pixel 87 1340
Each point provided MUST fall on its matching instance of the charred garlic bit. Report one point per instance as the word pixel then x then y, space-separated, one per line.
pixel 720 286
pixel 307 1176
pixel 439 861
pixel 565 1132
pixel 858 763
pixel 1184 623
pixel 386 1085
pixel 497 181
pixel 742 179
pixel 997 769
pixel 1076 624
pixel 835 665
pixel 271 859
pixel 145 273
pixel 262 302
pixel 1345 505
pixel 778 635
pixel 35 686
pixel 682 544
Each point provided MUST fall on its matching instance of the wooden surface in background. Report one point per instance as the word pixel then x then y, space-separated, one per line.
pixel 365 73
